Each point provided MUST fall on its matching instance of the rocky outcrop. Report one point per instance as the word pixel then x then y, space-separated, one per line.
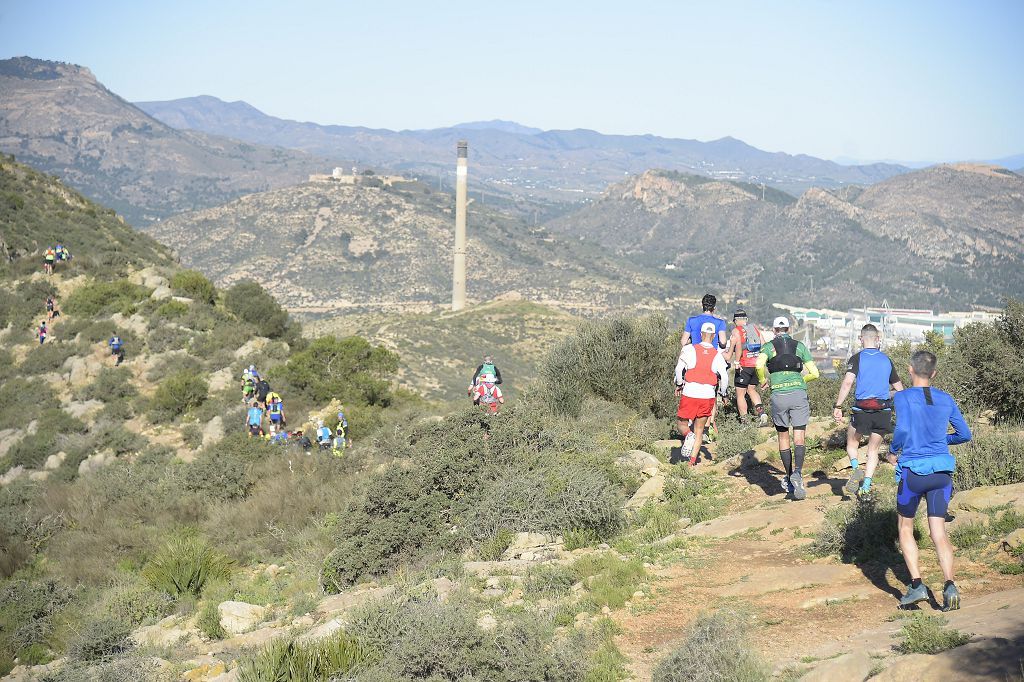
pixel 237 617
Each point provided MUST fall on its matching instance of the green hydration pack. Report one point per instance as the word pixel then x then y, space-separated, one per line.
pixel 487 368
pixel 248 386
pixel 785 358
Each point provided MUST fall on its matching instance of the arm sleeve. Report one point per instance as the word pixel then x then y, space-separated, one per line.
pixel 899 435
pixel 681 364
pixel 762 363
pixel 477 373
pixel 812 371
pixel 723 335
pixel 722 370
pixel 497 375
pixel 961 432
pixel 894 377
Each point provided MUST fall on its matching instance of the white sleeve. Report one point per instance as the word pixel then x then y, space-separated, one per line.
pixel 687 359
pixel 719 367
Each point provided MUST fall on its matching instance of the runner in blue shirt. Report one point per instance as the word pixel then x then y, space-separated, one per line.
pixel 693 324
pixel 871 416
pixel 924 469
pixel 254 420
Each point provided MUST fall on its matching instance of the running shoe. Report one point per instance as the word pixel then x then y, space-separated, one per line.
pixel 950 598
pixel 856 478
pixel 687 450
pixel 797 482
pixel 914 595
pixel 787 487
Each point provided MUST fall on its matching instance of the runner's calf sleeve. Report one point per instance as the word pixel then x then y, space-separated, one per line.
pixel 787 460
pixel 799 451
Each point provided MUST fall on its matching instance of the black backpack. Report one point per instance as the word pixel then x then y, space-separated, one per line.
pixel 785 359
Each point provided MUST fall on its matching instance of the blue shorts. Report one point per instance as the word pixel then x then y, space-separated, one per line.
pixel 935 488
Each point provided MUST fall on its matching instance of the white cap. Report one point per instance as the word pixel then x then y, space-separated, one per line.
pixel 487 378
pixel 707 328
pixel 781 323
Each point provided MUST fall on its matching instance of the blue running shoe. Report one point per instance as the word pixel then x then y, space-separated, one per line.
pixel 950 598
pixel 856 478
pixel 914 595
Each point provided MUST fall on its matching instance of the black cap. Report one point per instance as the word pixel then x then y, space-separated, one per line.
pixel 739 313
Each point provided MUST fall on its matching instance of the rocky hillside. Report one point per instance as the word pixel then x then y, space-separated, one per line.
pixel 326 247
pixel 947 236
pixel 556 164
pixel 58 118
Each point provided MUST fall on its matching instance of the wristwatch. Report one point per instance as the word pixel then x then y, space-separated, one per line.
pixel 838 407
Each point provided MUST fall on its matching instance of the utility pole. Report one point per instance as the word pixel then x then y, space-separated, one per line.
pixel 459 270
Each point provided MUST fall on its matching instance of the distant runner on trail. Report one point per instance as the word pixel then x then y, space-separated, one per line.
pixel 275 410
pixel 871 415
pixel 486 367
pixel 700 370
pixel 248 387
pixel 487 394
pixel 116 348
pixel 924 468
pixel 323 435
pixel 744 347
pixel 785 358
pixel 693 324
pixel 51 307
pixel 254 419
pixel 42 332
pixel 48 259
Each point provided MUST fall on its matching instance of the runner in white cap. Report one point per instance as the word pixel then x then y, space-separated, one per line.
pixel 700 369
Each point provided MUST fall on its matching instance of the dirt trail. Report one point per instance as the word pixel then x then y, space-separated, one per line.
pixel 806 607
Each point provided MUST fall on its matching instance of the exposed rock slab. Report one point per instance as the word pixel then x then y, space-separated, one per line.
pixel 795 515
pixel 237 617
pixel 852 667
pixel 765 579
pixel 988 496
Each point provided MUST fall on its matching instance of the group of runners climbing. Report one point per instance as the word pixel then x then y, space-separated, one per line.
pixel 54 255
pixel 266 407
pixel 919 418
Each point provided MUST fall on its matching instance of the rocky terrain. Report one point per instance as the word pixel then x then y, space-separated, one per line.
pixel 555 164
pixel 326 247
pixel 942 237
pixel 60 119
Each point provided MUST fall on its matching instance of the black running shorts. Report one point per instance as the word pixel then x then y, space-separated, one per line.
pixel 745 376
pixel 871 422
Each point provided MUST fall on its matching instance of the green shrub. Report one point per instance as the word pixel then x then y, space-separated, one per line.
pixel 28 611
pixel 100 640
pixel 610 581
pixel 990 458
pixel 32 450
pixel 289 659
pixel 184 566
pixel 166 337
pixel 208 621
pixel 716 648
pixel 625 361
pixel 348 368
pixel 696 496
pixel 48 357
pixel 131 600
pixel 98 298
pixel 860 533
pixel 968 536
pixel 250 302
pixel 22 400
pixel 821 395
pixel 194 285
pixel 178 393
pixel 735 438
pixel 111 384
pixel 192 435
pixel 170 310
pixel 219 474
pixel 549 581
pixel 493 547
pixel 925 634
pixel 21 304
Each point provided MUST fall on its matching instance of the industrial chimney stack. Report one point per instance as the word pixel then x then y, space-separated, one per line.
pixel 459 272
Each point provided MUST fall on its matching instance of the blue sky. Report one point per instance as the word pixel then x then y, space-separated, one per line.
pixel 917 81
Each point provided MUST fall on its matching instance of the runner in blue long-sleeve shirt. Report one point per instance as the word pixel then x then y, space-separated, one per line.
pixel 924 468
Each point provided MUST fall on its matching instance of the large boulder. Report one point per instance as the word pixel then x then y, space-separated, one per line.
pixel 12 475
pixel 221 379
pixel 989 496
pixel 237 617
pixel 642 462
pixel 253 345
pixel 533 547
pixel 653 489
pixel 213 432
pixel 82 369
pixel 95 461
pixel 169 632
pixel 83 409
pixel 161 293
pixel 136 324
pixel 54 461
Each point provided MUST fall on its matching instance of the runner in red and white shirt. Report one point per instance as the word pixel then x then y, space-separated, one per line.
pixel 700 372
pixel 487 394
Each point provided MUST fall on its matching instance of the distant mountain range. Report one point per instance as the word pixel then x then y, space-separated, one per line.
pixel 60 119
pixel 513 159
pixel 943 237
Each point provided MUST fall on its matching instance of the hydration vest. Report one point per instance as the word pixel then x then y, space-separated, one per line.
pixel 786 359
pixel 702 372
pixel 487 395
pixel 751 348
pixel 274 408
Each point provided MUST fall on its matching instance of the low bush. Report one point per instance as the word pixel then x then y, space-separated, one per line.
pixel 194 285
pixel 22 401
pixel 624 361
pixel 100 640
pixel 167 337
pixel 192 435
pixel 184 566
pixel 991 458
pixel 349 368
pixel 250 302
pixel 925 634
pixel 48 357
pixel 170 310
pixel 549 581
pixel 610 580
pixel 862 532
pixel 98 298
pixel 716 648
pixel 219 474
pixel 208 621
pixel 28 613
pixel 692 495
pixel 131 600
pixel 111 384
pixel 289 659
pixel 493 547
pixel 177 394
